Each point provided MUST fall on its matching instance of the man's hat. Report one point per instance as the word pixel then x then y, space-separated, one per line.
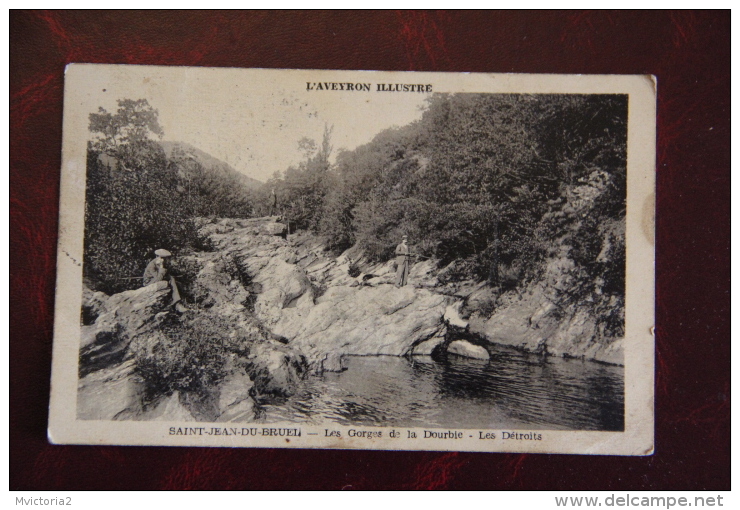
pixel 405 237
pixel 162 253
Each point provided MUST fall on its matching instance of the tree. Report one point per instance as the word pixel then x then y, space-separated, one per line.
pixel 303 188
pixel 133 204
pixel 134 123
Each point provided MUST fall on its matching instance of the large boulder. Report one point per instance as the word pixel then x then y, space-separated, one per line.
pixel 537 320
pixel 235 402
pixel 333 362
pixel 276 229
pixel 283 286
pixel 364 321
pixel 120 393
pixel 127 315
pixel 467 350
pixel 110 393
pixel 275 369
pixel 213 281
pixel 93 305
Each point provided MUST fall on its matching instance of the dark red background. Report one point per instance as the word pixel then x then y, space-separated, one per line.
pixel 689 52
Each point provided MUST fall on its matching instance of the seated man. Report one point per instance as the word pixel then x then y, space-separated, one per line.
pixel 157 270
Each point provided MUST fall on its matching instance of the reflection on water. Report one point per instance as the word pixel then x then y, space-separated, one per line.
pixel 513 389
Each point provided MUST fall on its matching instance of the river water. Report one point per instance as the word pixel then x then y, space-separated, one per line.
pixel 513 389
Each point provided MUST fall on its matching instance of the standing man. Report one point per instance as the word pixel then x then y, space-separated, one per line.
pixel 402 262
pixel 273 203
pixel 157 270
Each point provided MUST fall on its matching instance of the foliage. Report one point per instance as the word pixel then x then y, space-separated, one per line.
pixel 491 185
pixel 121 133
pixel 595 241
pixel 209 192
pixel 132 203
pixel 302 189
pixel 191 355
pixel 138 199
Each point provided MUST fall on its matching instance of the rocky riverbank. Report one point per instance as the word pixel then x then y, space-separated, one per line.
pixel 266 308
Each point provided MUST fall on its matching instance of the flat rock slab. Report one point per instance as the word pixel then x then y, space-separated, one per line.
pixel 365 321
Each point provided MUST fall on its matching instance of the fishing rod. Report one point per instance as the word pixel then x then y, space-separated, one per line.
pixel 413 255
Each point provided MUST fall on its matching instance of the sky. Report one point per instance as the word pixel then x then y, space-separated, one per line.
pixel 251 120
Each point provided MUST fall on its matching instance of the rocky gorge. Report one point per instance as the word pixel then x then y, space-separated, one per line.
pixel 266 308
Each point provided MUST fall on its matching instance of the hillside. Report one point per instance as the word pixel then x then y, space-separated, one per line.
pixel 525 194
pixel 211 164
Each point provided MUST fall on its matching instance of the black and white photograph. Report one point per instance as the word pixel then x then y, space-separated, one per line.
pixel 355 259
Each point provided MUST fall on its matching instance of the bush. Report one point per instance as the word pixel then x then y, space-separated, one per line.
pixel 128 215
pixel 191 354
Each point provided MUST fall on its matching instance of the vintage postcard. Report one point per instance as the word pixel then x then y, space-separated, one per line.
pixel 355 259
